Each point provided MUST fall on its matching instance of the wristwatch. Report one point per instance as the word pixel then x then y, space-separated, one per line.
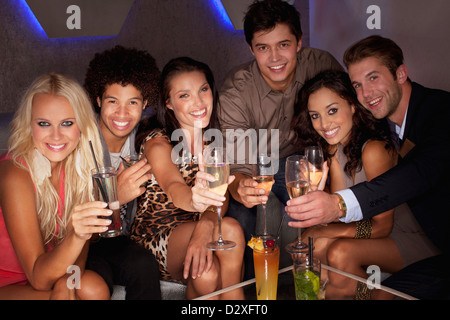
pixel 342 205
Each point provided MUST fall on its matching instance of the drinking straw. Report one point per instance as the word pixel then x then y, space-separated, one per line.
pixel 277 238
pixel 311 248
pixel 99 183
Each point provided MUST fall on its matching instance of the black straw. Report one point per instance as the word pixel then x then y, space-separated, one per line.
pixel 311 248
pixel 99 183
pixel 93 156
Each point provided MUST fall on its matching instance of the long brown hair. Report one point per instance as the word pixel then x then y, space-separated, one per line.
pixel 164 117
pixel 365 127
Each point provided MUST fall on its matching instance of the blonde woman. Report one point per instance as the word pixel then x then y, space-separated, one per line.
pixel 46 212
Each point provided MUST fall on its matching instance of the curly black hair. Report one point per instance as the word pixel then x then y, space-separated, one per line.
pixel 365 126
pixel 123 66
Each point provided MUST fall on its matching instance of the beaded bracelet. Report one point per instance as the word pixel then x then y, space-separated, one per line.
pixel 363 229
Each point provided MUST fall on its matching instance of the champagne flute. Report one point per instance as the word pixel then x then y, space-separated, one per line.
pixel 314 155
pixel 297 184
pixel 315 162
pixel 215 164
pixel 262 172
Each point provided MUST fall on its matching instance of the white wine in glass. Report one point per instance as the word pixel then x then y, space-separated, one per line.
pixel 221 172
pixel 215 164
pixel 262 173
pixel 297 184
pixel 297 188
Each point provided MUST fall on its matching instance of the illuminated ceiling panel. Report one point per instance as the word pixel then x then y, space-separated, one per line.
pixel 80 18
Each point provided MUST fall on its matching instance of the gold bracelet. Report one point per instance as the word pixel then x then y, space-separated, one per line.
pixel 342 205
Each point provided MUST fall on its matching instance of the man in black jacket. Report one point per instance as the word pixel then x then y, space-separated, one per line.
pixel 418 118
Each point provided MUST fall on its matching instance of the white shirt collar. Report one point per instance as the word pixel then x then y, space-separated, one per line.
pixel 401 130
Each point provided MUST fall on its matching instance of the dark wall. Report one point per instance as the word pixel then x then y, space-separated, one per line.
pixel 420 28
pixel 165 28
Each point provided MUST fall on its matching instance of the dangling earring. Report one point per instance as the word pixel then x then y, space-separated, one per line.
pixel 78 163
pixel 41 167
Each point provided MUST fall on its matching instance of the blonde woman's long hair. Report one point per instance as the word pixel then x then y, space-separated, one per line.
pixel 78 183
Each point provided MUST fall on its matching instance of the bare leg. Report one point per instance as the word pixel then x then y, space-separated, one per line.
pixel 93 287
pixel 176 253
pixel 353 256
pixel 227 265
pixel 231 261
pixel 23 292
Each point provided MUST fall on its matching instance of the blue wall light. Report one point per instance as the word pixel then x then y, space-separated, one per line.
pixel 31 18
pixel 222 13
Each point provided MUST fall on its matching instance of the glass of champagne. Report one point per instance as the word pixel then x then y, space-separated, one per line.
pixel 297 184
pixel 215 164
pixel 315 162
pixel 262 172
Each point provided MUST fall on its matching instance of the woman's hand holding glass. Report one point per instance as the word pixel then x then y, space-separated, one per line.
pixel 202 196
pixel 87 219
pixel 323 180
pixel 199 258
pixel 215 163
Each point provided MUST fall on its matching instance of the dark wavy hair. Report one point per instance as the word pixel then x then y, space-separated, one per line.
pixel 265 15
pixel 123 66
pixel 365 126
pixel 164 117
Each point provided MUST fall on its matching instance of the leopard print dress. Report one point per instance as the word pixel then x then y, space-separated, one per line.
pixel 157 217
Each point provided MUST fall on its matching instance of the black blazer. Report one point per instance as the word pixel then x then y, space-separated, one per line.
pixel 422 176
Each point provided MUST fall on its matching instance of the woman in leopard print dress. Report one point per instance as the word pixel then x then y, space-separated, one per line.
pixel 174 218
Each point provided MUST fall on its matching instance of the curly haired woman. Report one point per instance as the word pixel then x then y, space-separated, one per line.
pixel 358 148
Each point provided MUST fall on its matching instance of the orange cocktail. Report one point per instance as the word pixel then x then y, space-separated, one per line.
pixel 266 260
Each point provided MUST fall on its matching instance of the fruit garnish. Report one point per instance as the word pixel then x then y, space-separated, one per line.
pixel 270 243
pixel 256 243
pixel 314 279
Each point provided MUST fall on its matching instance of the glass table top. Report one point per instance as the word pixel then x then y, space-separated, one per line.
pixel 286 290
